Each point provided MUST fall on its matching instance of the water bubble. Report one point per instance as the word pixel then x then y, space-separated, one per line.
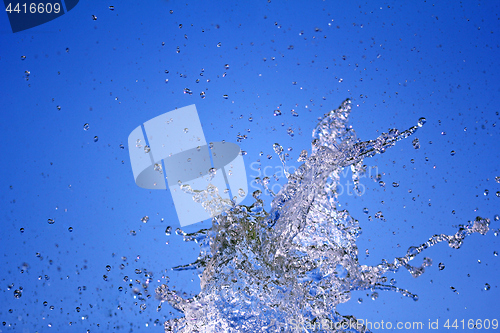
pixel 277 113
pixel 111 7
pixel 168 230
pixel 487 286
pixel 145 219
pixel 421 122
pixel 86 127
pixel 96 138
pixel 23 57
pixel 147 149
pixel 452 153
pixel 51 221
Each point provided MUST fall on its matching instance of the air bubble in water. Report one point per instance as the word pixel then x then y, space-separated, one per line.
pixel 421 122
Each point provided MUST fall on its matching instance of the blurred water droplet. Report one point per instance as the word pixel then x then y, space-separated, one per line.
pixel 21 230
pixel 23 57
pixel 302 156
pixel 188 91
pixel 365 210
pixel 498 194
pixel 278 149
pixel 145 219
pixel 96 138
pixel 374 296
pixel 94 17
pixel 226 66
pixel 416 143
pixel 111 7
pixel 202 94
pixel 394 184
pixel 219 44
pixel 168 230
pixel 294 113
pixel 17 293
pixel 86 127
pixel 241 192
pixel 70 229
pixel 421 122
pixel 452 153
pixel 497 179
pixel 486 192
pixel 496 218
pixel 225 96
pixel 487 286
pixel 250 119
pixel 186 130
pixel 58 107
pixel 51 221
pixel 147 149
pixel 495 253
pixel 277 113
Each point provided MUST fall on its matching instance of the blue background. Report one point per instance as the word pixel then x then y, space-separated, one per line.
pixel 398 61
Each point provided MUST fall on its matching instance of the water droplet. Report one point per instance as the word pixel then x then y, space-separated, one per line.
pixel 145 219
pixel 365 210
pixel 250 119
pixel 421 122
pixel 394 184
pixel 497 179
pixel 225 96
pixel 360 300
pixel 21 230
pixel 416 143
pixel 86 127
pixel 202 94
pixel 374 296
pixel 277 113
pixel 294 113
pixel 278 149
pixel 241 192
pixel 168 231
pixel 498 194
pixel 23 57
pixel 441 266
pixel 495 253
pixel 188 91
pixel 486 192
pixel 51 221
pixel 94 17
pixel 96 138
pixel 58 107
pixel 186 130
pixel 111 7
pixel 70 229
pixel 302 156
pixel 219 44
pixel 496 218
pixel 147 149
pixel 452 153
pixel 487 286
pixel 226 66
pixel 17 293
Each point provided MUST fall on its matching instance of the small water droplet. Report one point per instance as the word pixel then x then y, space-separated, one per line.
pixel 202 94
pixel 226 66
pixel 17 293
pixel 498 194
pixel 70 229
pixel 277 113
pixel 51 221
pixel 496 218
pixel 111 7
pixel 374 296
pixel 21 230
pixel 147 149
pixel 186 130
pixel 94 17
pixel 23 57
pixel 394 184
pixel 86 127
pixel 168 231
pixel 452 153
pixel 96 138
pixel 487 286
pixel 58 107
pixel 219 44
pixel 495 253
pixel 421 122
pixel 486 192
pixel 145 219
pixel 225 96
pixel 416 143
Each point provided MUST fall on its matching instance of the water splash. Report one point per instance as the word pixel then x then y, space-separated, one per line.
pixel 261 272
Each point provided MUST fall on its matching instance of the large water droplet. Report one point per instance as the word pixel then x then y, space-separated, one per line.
pixel 421 122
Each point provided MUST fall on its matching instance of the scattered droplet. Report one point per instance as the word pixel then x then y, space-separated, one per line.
pixel 111 7
pixel 495 253
pixel 21 230
pixel 23 57
pixel 94 17
pixel 17 293
pixel 70 229
pixel 186 130
pixel 487 286
pixel 58 107
pixel 202 94
pixel 496 217
pixel 302 156
pixel 394 184
pixel 219 44
pixel 452 153
pixel 374 296
pixel 497 179
pixel 421 122
pixel 86 127
pixel 498 194
pixel 486 192
pixel 241 193
pixel 225 96
pixel 226 66
pixel 147 149
pixel 416 143
pixel 51 221
pixel 96 138
pixel 277 113
pixel 365 210
pixel 145 219
pixel 168 231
